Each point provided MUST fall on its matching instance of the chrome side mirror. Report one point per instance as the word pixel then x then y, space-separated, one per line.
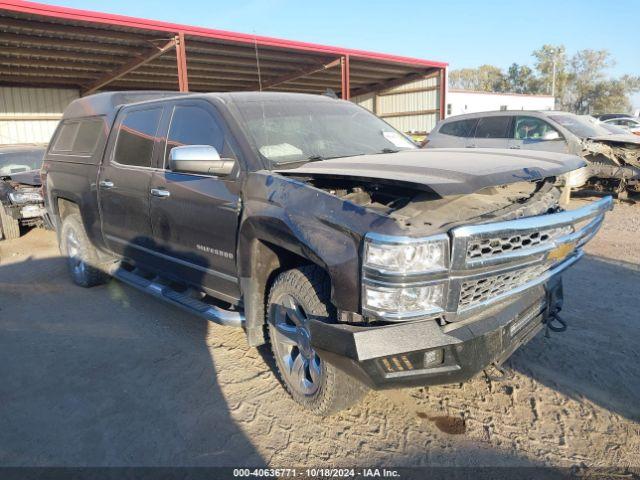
pixel 202 159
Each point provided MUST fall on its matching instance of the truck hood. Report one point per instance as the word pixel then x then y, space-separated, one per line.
pixel 445 171
pixel 30 177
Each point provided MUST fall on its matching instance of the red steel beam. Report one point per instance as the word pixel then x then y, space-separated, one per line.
pixel 320 67
pixel 344 70
pixel 181 59
pixel 128 67
pixel 443 92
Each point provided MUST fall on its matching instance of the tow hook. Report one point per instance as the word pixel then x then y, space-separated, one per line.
pixel 501 375
pixel 554 317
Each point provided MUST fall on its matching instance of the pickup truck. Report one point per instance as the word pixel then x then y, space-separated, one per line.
pixel 320 230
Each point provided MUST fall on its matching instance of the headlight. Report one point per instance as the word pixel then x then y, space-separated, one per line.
pixel 403 302
pixel 25 197
pixel 406 256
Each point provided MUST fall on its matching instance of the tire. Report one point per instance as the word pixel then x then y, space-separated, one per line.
pixel 10 226
pixel 315 384
pixel 82 258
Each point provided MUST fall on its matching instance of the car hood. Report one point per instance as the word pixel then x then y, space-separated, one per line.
pixel 30 177
pixel 630 138
pixel 445 171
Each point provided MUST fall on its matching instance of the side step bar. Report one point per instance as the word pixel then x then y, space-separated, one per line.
pixel 208 312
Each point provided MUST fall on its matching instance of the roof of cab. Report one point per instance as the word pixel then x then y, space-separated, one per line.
pixel 106 103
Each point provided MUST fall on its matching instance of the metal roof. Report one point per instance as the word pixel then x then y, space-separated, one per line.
pixel 50 46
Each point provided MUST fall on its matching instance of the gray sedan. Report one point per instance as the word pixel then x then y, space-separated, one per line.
pixel 613 160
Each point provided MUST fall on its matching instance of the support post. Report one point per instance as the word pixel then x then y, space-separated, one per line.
pixel 181 59
pixel 346 87
pixel 443 93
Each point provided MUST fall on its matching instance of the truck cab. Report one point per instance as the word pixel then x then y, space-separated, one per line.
pixel 315 226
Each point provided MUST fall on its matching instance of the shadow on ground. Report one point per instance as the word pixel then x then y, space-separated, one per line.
pixel 597 357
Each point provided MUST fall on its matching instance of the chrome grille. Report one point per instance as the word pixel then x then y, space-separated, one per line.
pixel 482 248
pixel 475 292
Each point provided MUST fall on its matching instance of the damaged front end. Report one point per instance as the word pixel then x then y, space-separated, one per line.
pixel 21 197
pixel 613 165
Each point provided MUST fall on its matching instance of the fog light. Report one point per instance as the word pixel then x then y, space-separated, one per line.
pixel 398 303
pixel 433 358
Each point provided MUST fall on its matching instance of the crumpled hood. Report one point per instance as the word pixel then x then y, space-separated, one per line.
pixel 635 139
pixel 445 171
pixel 30 177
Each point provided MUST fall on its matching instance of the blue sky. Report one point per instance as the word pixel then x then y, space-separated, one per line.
pixel 464 33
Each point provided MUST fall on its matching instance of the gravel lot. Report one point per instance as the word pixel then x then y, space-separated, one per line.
pixel 110 376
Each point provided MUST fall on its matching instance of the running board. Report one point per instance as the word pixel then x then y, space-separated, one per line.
pixel 208 312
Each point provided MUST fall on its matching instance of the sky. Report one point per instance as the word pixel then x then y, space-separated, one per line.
pixel 464 33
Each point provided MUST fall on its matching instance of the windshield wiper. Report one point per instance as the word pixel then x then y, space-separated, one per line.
pixel 316 158
pixel 389 150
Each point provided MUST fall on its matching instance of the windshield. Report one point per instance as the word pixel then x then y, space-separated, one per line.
pixel 286 132
pixel 20 161
pixel 580 126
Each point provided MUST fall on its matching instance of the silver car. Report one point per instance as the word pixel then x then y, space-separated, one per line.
pixel 613 161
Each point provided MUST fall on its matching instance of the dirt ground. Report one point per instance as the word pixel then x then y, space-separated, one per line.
pixel 110 376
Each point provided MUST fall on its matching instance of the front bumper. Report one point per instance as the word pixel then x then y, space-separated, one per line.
pixel 502 284
pixel 424 353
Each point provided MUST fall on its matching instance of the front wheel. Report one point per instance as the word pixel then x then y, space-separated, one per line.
pixel 297 296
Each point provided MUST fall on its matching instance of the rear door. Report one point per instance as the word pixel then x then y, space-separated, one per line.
pixel 124 179
pixel 452 134
pixel 534 133
pixel 491 132
pixel 195 217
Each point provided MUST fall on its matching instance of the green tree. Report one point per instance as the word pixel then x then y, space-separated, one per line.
pixel 521 79
pixel 485 78
pixel 547 59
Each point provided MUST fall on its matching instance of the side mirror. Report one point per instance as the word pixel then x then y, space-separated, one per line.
pixel 551 135
pixel 202 159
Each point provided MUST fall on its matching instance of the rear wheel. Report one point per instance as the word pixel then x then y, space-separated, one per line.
pixel 82 258
pixel 9 226
pixel 297 296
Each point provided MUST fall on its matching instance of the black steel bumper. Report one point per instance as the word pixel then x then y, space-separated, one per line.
pixel 425 353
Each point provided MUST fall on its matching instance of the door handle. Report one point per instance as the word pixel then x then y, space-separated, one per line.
pixel 106 184
pixel 160 192
pixel 470 146
pixel 515 147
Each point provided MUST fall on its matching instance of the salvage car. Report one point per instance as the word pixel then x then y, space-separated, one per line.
pixel 319 229
pixel 21 202
pixel 613 161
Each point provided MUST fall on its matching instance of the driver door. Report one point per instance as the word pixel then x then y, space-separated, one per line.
pixel 194 217
pixel 533 133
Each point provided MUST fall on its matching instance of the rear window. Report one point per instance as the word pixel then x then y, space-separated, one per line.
pixel 493 127
pixel 459 128
pixel 79 137
pixel 137 137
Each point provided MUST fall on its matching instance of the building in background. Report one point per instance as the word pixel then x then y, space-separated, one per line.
pixel 464 101
pixel 30 115
pixel 51 55
pixel 412 108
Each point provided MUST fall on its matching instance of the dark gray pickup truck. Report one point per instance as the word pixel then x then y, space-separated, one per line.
pixel 319 229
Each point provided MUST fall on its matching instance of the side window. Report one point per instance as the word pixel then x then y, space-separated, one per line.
pixel 193 125
pixel 137 137
pixel 460 128
pixel 79 137
pixel 493 127
pixel 532 128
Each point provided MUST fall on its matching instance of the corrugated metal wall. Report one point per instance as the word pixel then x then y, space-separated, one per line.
pixel 30 115
pixel 411 108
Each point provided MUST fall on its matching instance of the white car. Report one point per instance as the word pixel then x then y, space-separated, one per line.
pixel 630 124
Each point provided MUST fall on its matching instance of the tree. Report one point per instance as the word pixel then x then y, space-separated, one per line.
pixel 485 78
pixel 521 79
pixel 547 59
